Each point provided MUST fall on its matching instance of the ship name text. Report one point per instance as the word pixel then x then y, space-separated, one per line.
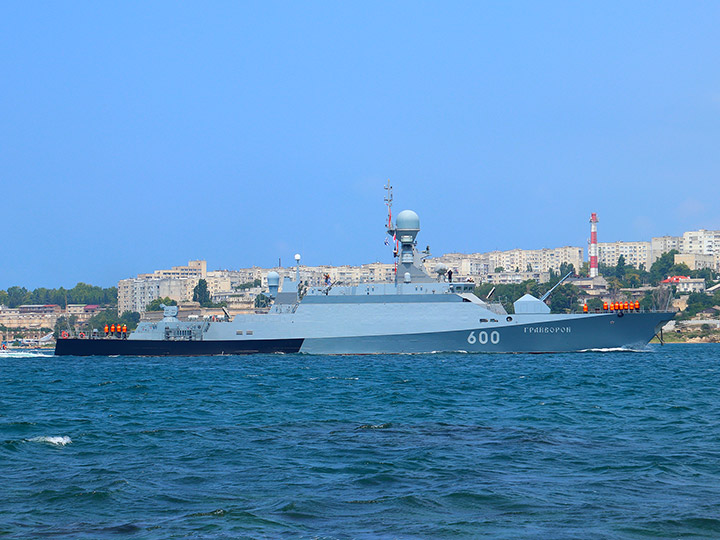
pixel 547 330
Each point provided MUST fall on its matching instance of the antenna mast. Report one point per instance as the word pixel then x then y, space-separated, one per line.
pixel 390 229
pixel 388 202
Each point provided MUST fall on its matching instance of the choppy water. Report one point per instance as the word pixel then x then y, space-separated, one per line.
pixel 588 445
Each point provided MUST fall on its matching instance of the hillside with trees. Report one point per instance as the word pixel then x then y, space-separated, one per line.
pixel 82 293
pixel 625 276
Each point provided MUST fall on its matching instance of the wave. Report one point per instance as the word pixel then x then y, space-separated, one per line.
pixel 53 439
pixel 9 353
pixel 615 349
pixel 386 425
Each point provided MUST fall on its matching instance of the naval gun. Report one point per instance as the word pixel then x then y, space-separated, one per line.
pixel 530 304
pixel 547 294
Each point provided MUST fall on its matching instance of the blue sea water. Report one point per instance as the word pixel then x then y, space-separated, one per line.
pixel 585 445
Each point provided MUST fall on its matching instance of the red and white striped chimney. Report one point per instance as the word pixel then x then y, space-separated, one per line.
pixel 593 251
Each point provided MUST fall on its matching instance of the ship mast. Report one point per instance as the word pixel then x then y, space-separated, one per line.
pixel 388 202
pixel 390 229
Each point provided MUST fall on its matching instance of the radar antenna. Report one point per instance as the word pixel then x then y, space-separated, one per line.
pixel 390 229
pixel 388 202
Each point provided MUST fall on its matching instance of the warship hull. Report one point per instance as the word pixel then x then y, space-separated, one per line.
pixel 140 347
pixel 581 333
pixel 553 333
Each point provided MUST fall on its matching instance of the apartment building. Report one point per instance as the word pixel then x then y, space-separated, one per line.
pixel 511 261
pixel 685 284
pixel 695 261
pixel 635 253
pixel 702 241
pixel 177 283
pixel 135 294
pixel 194 269
pixel 504 278
pixel 29 317
pixel 690 285
pixel 664 244
pixel 83 312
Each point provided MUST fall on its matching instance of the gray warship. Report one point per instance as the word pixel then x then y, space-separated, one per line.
pixel 417 313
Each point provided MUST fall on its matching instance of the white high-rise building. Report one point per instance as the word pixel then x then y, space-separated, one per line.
pixel 135 294
pixel 702 241
pixel 635 253
pixel 520 260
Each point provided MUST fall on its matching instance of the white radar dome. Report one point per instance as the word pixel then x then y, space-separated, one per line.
pixel 273 279
pixel 407 220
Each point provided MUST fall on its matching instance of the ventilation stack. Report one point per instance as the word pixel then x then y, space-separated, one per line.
pixel 593 251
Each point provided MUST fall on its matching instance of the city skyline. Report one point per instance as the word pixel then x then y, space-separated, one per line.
pixel 666 243
pixel 141 136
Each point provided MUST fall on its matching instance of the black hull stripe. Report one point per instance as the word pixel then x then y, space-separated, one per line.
pixel 136 347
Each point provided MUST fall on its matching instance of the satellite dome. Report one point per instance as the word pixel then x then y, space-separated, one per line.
pixel 407 220
pixel 273 278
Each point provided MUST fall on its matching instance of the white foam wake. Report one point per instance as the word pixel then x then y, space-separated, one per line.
pixel 56 440
pixel 9 353
pixel 616 349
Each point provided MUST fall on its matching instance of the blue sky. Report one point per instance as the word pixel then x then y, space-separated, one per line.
pixel 137 136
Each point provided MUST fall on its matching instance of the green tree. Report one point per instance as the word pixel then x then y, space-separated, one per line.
pixel 632 280
pixel 705 273
pixel 620 268
pixel 567 267
pixel 613 284
pixel 248 285
pixel 648 301
pixel 131 318
pixel 155 304
pixel 82 293
pixel 499 269
pixel 661 297
pixel 65 324
pixel 109 316
pixel 261 301
pixel 564 298
pixel 17 296
pixel 696 302
pixel 508 293
pixel 4 298
pixel 681 269
pixel 201 294
pixel 660 269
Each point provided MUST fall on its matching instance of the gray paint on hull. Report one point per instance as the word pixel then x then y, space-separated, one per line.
pixel 603 331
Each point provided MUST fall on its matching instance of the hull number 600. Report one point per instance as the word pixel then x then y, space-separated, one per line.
pixel 483 337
